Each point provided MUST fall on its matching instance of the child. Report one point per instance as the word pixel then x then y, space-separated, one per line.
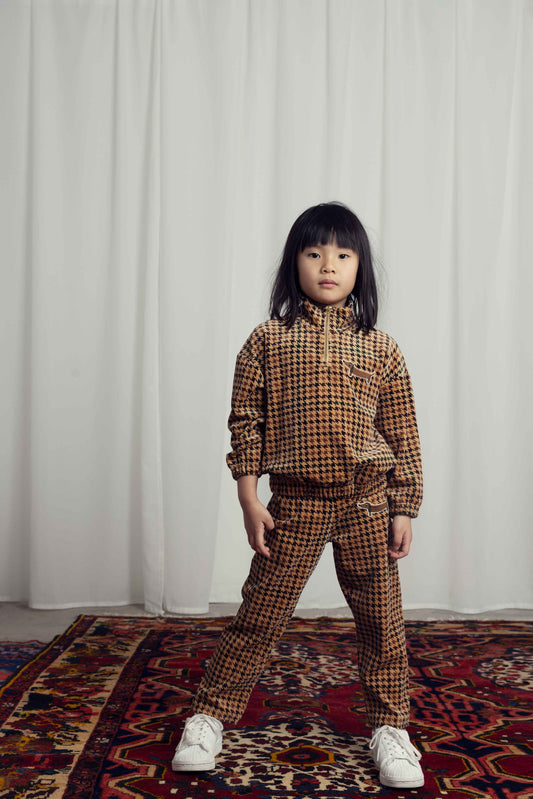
pixel 322 402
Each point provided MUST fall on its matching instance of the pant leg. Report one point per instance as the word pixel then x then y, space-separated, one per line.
pixel 371 586
pixel 270 595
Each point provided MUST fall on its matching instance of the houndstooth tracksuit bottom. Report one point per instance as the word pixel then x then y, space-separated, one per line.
pixel 358 527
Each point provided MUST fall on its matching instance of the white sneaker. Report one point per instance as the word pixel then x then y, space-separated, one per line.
pixel 200 743
pixel 396 758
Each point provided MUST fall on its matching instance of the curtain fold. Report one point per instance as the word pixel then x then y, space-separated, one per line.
pixel 153 155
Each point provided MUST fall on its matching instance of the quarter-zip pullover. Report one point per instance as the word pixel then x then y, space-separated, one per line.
pixel 324 405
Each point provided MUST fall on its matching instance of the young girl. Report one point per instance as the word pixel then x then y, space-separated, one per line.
pixel 322 402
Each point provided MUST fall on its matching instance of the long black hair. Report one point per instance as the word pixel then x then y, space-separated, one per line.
pixel 321 224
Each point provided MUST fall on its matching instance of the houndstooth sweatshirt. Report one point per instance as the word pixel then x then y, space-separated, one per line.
pixel 324 405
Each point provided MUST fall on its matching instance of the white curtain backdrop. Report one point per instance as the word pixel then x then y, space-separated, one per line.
pixel 153 155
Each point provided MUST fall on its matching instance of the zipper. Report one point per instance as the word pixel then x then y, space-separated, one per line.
pixel 326 336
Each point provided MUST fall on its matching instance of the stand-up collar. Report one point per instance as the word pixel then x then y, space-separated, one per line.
pixel 316 313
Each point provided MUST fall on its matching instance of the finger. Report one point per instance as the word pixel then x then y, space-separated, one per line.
pixel 262 549
pixel 395 543
pixel 398 551
pixel 269 522
pixel 396 555
pixel 258 544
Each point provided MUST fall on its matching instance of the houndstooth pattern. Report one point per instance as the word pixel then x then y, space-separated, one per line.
pixel 369 581
pixel 328 412
pixel 324 405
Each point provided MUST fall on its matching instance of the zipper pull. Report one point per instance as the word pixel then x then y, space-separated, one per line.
pixel 326 336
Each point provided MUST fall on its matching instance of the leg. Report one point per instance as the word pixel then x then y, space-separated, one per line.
pixel 371 586
pixel 270 595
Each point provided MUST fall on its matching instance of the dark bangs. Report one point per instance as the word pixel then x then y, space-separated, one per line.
pixel 327 224
pixel 322 224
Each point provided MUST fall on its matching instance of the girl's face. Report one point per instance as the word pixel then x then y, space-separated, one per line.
pixel 327 273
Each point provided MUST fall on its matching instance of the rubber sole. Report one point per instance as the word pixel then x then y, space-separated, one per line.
pixel 209 766
pixel 402 785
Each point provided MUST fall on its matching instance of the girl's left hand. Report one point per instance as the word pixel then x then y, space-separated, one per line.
pixel 400 537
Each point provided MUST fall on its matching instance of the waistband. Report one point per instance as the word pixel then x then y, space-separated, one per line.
pixel 284 487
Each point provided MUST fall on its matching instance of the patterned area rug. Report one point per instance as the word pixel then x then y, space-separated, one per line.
pixel 99 712
pixel 14 654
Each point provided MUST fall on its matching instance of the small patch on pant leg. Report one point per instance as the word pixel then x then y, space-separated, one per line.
pixel 373 509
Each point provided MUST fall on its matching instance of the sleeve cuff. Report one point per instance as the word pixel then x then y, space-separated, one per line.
pixel 401 507
pixel 243 468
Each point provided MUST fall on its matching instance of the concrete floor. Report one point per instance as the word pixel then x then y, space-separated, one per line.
pixel 18 622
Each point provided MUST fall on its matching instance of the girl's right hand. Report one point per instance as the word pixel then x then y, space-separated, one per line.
pixel 256 521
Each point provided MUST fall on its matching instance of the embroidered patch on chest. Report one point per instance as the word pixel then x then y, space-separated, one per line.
pixel 355 371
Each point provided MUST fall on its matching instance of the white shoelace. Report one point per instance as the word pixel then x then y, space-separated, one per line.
pixel 199 729
pixel 392 743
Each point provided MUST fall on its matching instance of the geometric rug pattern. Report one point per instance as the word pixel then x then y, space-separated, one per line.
pixel 98 712
pixel 14 655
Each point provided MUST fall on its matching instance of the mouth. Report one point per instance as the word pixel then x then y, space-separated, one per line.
pixel 327 283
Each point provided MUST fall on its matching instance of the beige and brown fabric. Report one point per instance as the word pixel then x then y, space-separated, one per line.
pixel 328 413
pixel 324 405
pixel 358 527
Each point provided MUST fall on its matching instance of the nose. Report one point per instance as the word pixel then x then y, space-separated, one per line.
pixel 328 265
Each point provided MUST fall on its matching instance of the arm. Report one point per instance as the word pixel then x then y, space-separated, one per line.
pixel 256 517
pixel 247 417
pixel 396 421
pixel 246 423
